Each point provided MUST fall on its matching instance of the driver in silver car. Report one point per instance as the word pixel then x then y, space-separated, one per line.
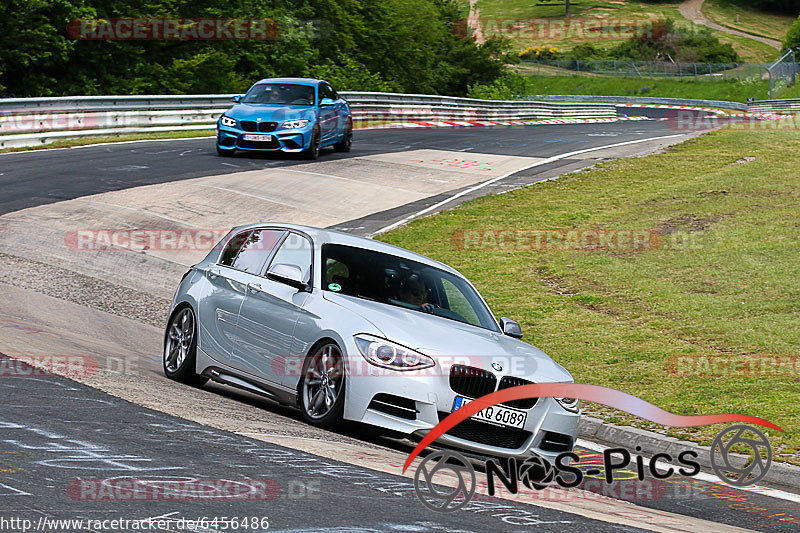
pixel 413 291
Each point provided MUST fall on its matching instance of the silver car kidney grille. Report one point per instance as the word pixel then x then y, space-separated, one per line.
pixel 476 382
pixel 472 382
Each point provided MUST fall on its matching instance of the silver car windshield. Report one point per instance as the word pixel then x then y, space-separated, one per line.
pixel 280 94
pixel 393 280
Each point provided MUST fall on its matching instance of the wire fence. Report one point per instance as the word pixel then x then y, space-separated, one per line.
pixel 650 69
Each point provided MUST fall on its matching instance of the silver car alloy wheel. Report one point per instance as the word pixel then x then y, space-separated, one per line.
pixel 179 340
pixel 323 381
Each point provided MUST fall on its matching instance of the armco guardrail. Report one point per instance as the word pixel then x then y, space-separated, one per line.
pixel 584 98
pixel 765 106
pixel 36 121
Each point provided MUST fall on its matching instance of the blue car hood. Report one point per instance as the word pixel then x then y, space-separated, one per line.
pixel 270 113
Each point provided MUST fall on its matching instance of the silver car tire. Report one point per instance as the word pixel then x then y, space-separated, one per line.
pixel 180 348
pixel 322 387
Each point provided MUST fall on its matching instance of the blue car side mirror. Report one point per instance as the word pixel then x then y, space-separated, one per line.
pixel 237 98
pixel 325 102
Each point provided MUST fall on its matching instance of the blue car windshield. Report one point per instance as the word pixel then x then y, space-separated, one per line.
pixel 397 281
pixel 280 94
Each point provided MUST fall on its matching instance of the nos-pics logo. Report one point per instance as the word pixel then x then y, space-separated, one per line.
pixel 446 481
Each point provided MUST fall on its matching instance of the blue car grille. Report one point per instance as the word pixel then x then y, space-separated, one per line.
pixel 263 127
pixel 259 145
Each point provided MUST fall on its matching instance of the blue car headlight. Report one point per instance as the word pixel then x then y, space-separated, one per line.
pixel 294 124
pixel 227 121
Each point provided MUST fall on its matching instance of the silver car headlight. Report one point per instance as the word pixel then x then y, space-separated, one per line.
pixel 570 404
pixel 227 121
pixel 294 124
pixel 387 354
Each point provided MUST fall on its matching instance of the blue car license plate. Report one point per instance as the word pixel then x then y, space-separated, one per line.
pixel 252 137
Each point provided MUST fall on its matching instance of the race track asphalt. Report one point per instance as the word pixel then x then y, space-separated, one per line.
pixel 54 431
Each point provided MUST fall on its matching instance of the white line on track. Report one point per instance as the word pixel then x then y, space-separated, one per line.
pixel 494 180
pixel 702 476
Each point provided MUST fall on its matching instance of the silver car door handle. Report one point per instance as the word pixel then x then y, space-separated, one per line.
pixel 255 287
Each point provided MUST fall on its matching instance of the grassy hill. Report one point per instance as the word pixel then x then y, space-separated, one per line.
pixel 718 286
pixel 752 21
pixel 593 13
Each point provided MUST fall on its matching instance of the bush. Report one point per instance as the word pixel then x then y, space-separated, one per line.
pixel 539 53
pixel 506 87
pixel 349 75
pixel 682 45
pixel 792 39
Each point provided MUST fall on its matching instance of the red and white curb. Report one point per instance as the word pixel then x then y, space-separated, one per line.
pixel 665 106
pixel 762 116
pixel 479 123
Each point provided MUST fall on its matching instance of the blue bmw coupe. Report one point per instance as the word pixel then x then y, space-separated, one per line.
pixel 290 115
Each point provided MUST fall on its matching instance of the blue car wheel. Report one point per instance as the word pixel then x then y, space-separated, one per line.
pixel 312 152
pixel 347 141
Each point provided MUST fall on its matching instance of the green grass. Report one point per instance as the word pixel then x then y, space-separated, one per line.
pixel 749 51
pixel 752 21
pixel 723 283
pixel 735 91
pixel 523 10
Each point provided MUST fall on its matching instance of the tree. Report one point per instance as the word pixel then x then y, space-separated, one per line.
pixel 792 39
pixel 33 44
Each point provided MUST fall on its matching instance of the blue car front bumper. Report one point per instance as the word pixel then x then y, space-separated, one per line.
pixel 284 140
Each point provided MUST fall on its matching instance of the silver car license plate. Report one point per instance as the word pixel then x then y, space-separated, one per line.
pixel 251 137
pixel 496 414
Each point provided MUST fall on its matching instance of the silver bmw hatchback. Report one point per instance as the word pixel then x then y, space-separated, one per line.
pixel 348 328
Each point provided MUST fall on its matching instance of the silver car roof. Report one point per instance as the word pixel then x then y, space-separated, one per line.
pixel 322 236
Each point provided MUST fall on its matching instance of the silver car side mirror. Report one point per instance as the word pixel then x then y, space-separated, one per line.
pixel 288 274
pixel 511 328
